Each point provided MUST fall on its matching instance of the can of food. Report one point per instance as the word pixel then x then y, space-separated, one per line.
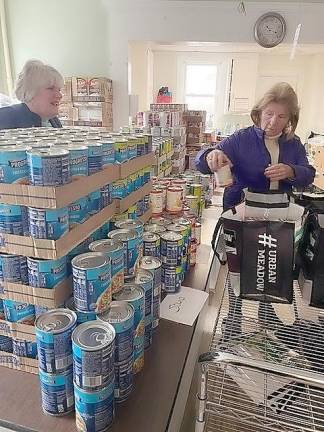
pixel 48 224
pixel 196 231
pixel 14 219
pixel 94 156
pixel 172 245
pixel 180 183
pixel 156 201
pixel 93 345
pixel 151 244
pixel 6 344
pixel 94 202
pixel 14 268
pixel 192 202
pixel 119 188
pixel 159 220
pixel 23 348
pixel 108 152
pixel 57 392
pixel 91 282
pixel 13 164
pixel 153 264
pixel 174 199
pixel 121 316
pixel 121 150
pixel 53 336
pixel 78 212
pixel 49 166
pixel 78 161
pixel 114 249
pixel 46 273
pixel 184 230
pixel 130 241
pixel 132 147
pixel 81 316
pixel 196 189
pixel 39 310
pixel 155 228
pixel 138 226
pixel 23 313
pixel 94 410
pixel 2 314
pixel 105 196
pixel 134 295
pixel 172 277
pixel 193 252
pixel 144 278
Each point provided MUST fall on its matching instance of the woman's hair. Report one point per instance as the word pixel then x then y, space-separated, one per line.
pixel 284 94
pixel 34 76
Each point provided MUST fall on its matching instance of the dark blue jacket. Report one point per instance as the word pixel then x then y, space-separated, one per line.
pixel 247 151
pixel 20 116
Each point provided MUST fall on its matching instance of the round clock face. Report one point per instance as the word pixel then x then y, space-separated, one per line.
pixel 270 29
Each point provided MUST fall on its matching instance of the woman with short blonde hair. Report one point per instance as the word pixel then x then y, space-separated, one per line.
pixel 266 156
pixel 38 88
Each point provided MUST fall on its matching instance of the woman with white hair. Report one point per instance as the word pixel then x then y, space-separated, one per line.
pixel 39 90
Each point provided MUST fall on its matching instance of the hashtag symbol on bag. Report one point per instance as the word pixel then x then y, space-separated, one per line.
pixel 267 240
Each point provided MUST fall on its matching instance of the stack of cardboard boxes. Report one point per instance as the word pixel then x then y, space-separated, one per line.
pixel 195 124
pixel 87 101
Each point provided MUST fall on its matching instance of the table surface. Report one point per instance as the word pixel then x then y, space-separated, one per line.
pixel 150 405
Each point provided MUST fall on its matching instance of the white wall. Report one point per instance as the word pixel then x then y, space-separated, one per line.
pixel 70 35
pixel 139 70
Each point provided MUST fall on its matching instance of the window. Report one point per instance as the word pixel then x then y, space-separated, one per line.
pixel 200 90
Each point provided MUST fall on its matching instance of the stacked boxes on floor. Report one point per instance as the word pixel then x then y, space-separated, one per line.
pixel 87 101
pixel 195 124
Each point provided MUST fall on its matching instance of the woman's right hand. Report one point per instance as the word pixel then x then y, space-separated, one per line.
pixel 216 159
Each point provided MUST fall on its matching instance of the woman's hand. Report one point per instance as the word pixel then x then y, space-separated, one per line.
pixel 279 171
pixel 216 159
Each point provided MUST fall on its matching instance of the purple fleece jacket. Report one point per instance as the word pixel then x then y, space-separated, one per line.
pixel 247 151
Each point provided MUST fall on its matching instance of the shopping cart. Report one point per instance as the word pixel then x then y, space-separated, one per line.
pixel 265 368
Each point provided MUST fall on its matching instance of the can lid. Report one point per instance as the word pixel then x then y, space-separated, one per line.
pixel 155 228
pixel 150 263
pixel 150 236
pixel 56 320
pixel 129 292
pixel 105 245
pixel 143 276
pixel 119 311
pixel 129 223
pixel 182 221
pixel 176 227
pixel 171 235
pixel 48 152
pixel 93 335
pixel 123 234
pixel 90 260
pixel 14 148
pixel 73 146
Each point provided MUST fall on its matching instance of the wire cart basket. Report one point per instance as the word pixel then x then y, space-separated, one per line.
pixel 265 368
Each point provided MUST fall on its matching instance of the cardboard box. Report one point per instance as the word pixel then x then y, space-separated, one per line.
pixel 53 249
pixel 17 330
pixel 96 89
pixel 67 90
pixel 146 216
pixel 19 363
pixel 49 297
pixel 133 165
pixel 56 197
pixel 93 113
pixel 125 203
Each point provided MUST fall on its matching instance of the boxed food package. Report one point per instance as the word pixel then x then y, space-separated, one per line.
pixel 67 90
pixel 96 89
pixel 93 114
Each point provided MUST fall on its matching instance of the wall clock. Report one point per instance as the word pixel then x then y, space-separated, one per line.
pixel 270 29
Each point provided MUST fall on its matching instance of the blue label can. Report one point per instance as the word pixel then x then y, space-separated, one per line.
pixel 106 196
pixel 172 246
pixel 57 392
pixel 94 410
pixel 49 166
pixel 53 336
pixel 134 295
pixel 119 189
pixel 132 147
pixel 94 202
pixel 14 268
pixel 138 226
pixel 23 313
pixel 108 152
pixel 171 278
pixel 81 316
pixel 144 278
pixel 121 150
pixel 138 180
pixel 46 273
pixel 151 244
pixel 92 282
pixel 93 345
pixel 104 230
pixel 13 219
pixel 6 344
pixel 154 265
pixel 13 164
pixel 147 174
pixel 48 224
pixel 130 241
pixel 2 314
pixel 78 161
pixel 39 310
pixel 94 157
pixel 78 212
pixel 24 348
pixel 115 251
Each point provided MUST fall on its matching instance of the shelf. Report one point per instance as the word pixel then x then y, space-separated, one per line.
pixel 133 165
pixel 146 216
pixel 125 203
pixel 17 330
pixel 53 249
pixel 18 363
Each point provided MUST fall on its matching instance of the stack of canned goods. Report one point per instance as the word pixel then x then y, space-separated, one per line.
pixel 123 187
pixel 54 346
